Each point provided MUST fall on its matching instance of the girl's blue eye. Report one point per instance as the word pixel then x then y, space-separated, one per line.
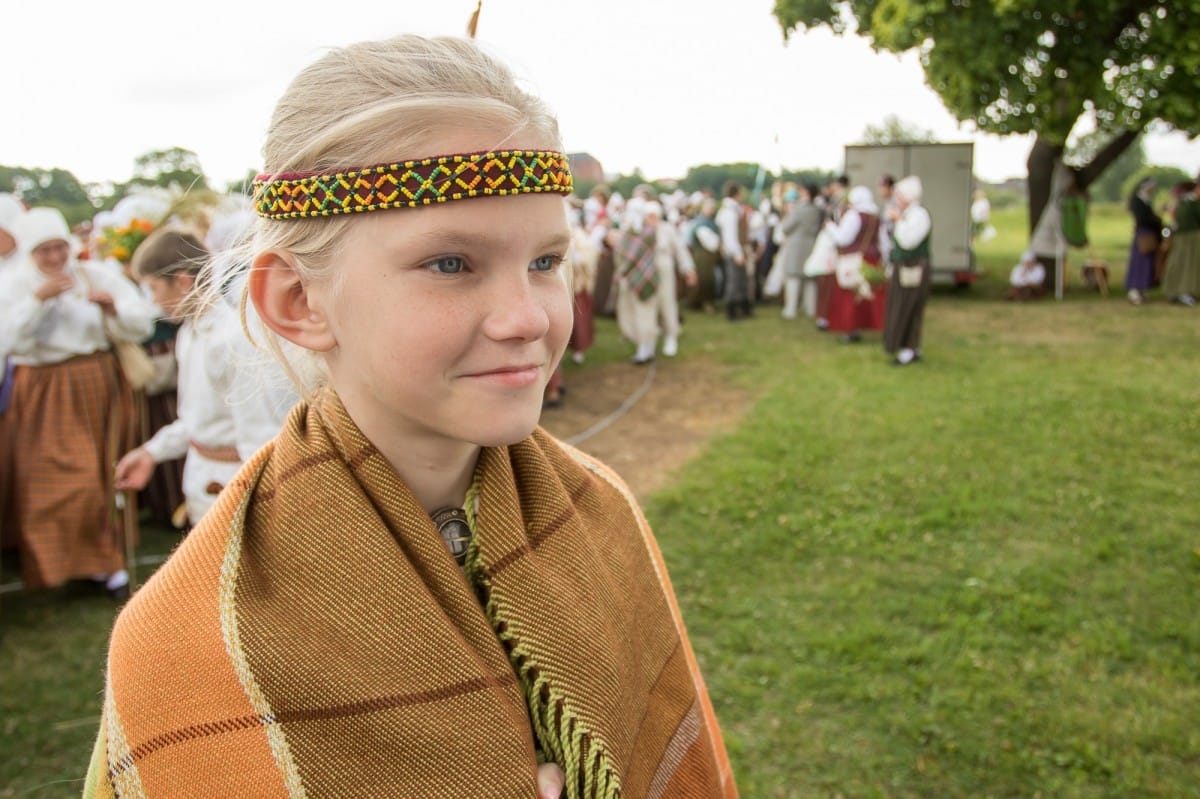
pixel 545 263
pixel 447 265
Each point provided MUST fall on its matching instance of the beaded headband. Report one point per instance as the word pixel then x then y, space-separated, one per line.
pixel 412 184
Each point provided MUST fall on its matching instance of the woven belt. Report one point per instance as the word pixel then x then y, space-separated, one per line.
pixel 218 454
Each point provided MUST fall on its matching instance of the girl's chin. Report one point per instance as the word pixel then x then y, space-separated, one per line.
pixel 507 433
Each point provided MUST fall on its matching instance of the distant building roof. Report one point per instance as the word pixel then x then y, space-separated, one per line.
pixel 586 167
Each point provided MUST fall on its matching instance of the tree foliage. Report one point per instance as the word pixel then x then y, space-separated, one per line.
pixel 175 168
pixel 52 187
pixel 1110 185
pixel 1035 66
pixel 1038 66
pixel 894 130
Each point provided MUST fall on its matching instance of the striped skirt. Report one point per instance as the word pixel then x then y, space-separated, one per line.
pixel 69 423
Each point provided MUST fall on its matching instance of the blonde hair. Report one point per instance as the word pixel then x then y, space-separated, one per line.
pixel 380 102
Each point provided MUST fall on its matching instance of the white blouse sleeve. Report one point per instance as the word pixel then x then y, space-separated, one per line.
pixel 845 231
pixel 912 227
pixel 135 313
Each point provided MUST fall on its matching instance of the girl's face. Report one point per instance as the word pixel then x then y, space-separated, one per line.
pixel 448 320
pixel 168 291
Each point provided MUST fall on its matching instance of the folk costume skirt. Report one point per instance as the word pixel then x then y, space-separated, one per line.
pixel 849 312
pixel 8 518
pixel 1182 274
pixel 70 423
pixel 905 312
pixel 1139 274
pixel 583 333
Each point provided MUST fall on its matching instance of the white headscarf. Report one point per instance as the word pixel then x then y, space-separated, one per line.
pixel 11 209
pixel 909 188
pixel 38 226
pixel 862 200
pixel 227 228
pixel 151 205
pixel 634 214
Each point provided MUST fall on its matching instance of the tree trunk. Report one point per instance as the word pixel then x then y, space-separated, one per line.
pixel 1040 165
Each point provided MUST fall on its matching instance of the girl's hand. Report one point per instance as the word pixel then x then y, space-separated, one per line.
pixel 550 779
pixel 133 470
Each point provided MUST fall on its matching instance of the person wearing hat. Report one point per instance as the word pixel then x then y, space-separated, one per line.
pixel 649 254
pixel 908 289
pixel 223 418
pixel 11 209
pixel 70 404
pixel 854 305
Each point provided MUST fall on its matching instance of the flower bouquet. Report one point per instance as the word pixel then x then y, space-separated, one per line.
pixel 120 241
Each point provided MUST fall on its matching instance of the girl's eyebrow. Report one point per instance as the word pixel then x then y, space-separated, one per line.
pixel 447 237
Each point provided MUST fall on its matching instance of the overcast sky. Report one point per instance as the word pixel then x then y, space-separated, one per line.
pixel 657 84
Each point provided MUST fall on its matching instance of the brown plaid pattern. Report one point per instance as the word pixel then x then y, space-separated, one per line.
pixel 313 636
pixel 59 427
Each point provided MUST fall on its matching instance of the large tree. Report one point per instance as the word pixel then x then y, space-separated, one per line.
pixel 1038 66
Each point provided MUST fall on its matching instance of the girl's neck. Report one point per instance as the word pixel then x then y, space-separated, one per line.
pixel 437 472
pixel 437 469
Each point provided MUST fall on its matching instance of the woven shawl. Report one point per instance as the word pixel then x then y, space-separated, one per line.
pixel 313 637
pixel 636 253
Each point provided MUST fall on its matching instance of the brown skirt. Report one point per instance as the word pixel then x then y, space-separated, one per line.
pixel 164 493
pixel 8 519
pixel 583 333
pixel 70 422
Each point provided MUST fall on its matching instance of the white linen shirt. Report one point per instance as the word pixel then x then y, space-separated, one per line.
pixel 39 333
pixel 222 403
pixel 912 227
pixel 728 219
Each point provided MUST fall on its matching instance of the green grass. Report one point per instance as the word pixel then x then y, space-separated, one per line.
pixel 973 577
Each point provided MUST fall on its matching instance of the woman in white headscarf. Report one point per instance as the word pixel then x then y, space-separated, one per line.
pixel 70 406
pixel 856 305
pixel 909 286
pixel 11 209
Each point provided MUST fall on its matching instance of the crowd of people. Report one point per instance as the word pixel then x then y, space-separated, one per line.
pixel 831 253
pixel 1165 251
pixel 389 550
pixel 110 360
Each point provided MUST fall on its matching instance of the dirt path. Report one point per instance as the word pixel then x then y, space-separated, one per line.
pixel 686 404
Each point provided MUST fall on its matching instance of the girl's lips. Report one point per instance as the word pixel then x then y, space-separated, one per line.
pixel 510 376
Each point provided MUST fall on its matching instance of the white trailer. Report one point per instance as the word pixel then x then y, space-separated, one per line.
pixel 946 171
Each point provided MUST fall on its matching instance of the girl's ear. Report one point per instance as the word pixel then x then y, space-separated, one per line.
pixel 285 303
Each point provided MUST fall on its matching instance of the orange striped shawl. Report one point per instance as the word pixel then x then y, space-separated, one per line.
pixel 312 637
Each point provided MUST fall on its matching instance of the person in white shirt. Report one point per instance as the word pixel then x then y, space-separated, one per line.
pixel 909 256
pixel 223 415
pixel 1027 279
pixel 70 406
pixel 737 261
pixel 11 209
pixel 672 259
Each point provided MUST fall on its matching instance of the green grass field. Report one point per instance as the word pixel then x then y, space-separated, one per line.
pixel 973 577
